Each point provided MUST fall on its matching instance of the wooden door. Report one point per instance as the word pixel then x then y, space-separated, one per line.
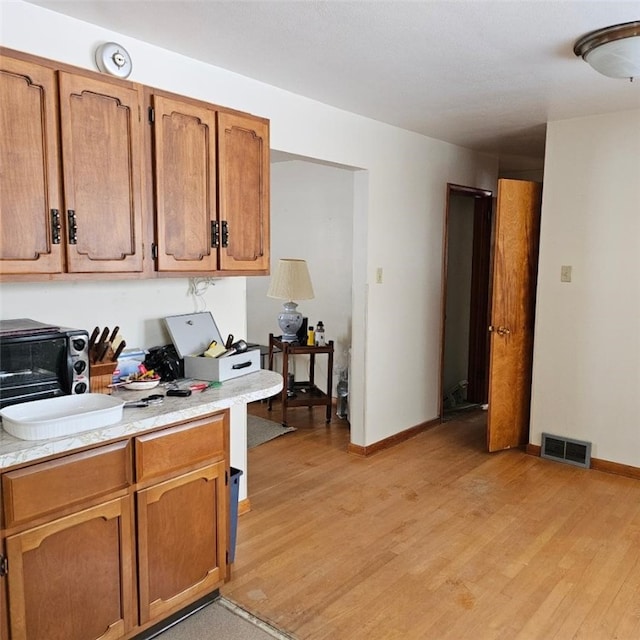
pixel 72 579
pixel 102 173
pixel 515 266
pixel 185 185
pixel 30 204
pixel 243 156
pixel 182 540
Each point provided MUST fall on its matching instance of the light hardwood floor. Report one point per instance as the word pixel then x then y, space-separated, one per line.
pixel 434 539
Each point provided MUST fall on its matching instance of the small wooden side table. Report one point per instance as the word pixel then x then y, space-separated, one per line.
pixel 304 394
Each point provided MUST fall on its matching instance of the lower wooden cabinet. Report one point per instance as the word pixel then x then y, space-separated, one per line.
pixel 141 534
pixel 181 540
pixel 72 579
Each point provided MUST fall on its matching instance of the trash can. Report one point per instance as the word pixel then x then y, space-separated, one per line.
pixel 234 490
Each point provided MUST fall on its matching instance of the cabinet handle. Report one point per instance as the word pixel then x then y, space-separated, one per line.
pixel 242 365
pixel 225 233
pixel 73 227
pixel 215 234
pixel 55 226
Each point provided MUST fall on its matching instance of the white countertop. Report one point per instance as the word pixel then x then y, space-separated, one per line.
pixel 253 386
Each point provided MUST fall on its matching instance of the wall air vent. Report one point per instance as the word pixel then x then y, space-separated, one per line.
pixel 566 450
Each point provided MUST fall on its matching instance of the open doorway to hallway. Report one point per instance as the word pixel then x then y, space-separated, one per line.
pixel 312 218
pixel 466 293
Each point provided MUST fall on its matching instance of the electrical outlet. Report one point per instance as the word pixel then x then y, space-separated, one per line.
pixel 565 273
pixel 379 275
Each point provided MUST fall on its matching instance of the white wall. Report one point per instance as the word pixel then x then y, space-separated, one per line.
pixel 398 217
pixel 137 307
pixel 311 218
pixel 586 370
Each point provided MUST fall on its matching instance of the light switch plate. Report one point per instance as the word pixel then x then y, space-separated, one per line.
pixel 565 273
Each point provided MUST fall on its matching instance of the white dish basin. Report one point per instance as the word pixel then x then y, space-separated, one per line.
pixel 63 416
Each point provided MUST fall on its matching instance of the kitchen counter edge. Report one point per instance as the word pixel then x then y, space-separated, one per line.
pixel 242 390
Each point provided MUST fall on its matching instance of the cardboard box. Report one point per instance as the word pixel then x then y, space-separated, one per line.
pixel 192 333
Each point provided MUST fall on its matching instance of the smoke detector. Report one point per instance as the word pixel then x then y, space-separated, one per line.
pixel 113 58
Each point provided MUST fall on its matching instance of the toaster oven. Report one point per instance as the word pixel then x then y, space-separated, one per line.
pixel 40 361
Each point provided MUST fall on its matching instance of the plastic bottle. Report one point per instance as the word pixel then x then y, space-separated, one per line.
pixel 311 337
pixel 320 339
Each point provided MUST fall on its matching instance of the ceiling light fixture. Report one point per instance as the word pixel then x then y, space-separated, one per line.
pixel 613 51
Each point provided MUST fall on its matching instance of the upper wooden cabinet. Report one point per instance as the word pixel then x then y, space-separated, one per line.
pixel 71 192
pixel 211 188
pixel 243 169
pixel 30 206
pixel 102 167
pixel 93 186
pixel 185 185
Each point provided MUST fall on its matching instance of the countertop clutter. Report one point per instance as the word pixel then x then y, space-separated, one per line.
pixel 255 386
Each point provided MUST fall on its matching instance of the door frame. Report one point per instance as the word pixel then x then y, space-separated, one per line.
pixel 480 293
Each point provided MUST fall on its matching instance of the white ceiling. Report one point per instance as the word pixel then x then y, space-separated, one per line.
pixel 483 74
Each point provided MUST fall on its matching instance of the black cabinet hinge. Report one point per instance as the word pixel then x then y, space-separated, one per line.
pixel 226 478
pixel 226 557
pixel 215 234
pixel 55 226
pixel 73 227
pixel 225 233
pixel 4 565
pixel 151 113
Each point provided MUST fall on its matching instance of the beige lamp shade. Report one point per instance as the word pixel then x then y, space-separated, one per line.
pixel 291 281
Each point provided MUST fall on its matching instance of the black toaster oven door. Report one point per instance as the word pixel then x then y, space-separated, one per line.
pixel 32 369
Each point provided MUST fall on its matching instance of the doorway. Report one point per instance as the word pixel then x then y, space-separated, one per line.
pixel 464 372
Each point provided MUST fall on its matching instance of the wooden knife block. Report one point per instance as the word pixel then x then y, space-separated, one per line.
pixel 101 376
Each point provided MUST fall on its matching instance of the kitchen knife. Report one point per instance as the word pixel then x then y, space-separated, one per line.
pixel 114 333
pixel 100 345
pixel 103 352
pixel 119 349
pixel 94 335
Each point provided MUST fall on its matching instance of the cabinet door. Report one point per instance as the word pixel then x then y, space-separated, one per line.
pixel 185 185
pixel 182 540
pixel 30 239
pixel 243 157
pixel 72 579
pixel 4 617
pixel 102 167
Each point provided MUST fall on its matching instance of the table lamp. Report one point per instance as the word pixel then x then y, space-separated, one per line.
pixel 290 282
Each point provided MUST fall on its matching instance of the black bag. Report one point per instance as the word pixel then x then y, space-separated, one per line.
pixel 166 362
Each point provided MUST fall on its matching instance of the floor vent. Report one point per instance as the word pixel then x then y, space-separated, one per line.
pixel 566 450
